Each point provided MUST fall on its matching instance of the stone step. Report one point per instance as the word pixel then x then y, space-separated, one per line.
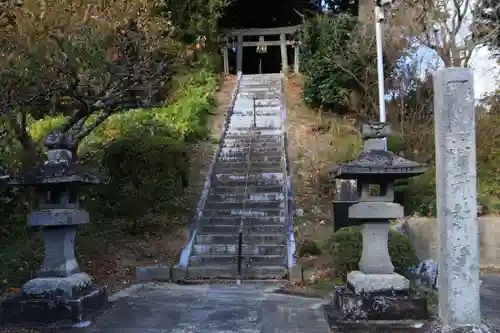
pixel 258 138
pixel 246 249
pixel 260 112
pixel 244 205
pixel 271 83
pixel 258 101
pixel 238 182
pixel 212 272
pixel 241 151
pixel 254 179
pixel 227 249
pixel 246 131
pixel 246 260
pixel 275 90
pixel 213 260
pixel 246 144
pixel 250 88
pixel 253 159
pixel 238 168
pixel 265 91
pixel 231 272
pixel 275 238
pixel 243 213
pixel 250 130
pixel 246 229
pixel 217 239
pixel 240 197
pixel 254 176
pixel 254 221
pixel 248 102
pixel 249 190
pixel 263 123
pixel 264 249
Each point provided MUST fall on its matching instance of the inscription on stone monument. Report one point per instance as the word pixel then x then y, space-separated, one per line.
pixel 456 204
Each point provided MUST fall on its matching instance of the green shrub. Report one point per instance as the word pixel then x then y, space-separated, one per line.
pixel 40 128
pixel 346 246
pixel 396 143
pixel 147 175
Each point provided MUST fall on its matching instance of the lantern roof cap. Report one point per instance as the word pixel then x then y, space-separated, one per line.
pixel 59 168
pixel 380 164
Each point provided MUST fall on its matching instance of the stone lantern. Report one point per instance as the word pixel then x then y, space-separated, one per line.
pixel 61 291
pixel 366 295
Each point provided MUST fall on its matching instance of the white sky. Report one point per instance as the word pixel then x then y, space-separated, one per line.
pixel 486 72
pixel 486 69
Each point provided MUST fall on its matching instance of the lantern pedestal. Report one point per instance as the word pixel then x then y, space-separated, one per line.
pixel 375 297
pixel 61 292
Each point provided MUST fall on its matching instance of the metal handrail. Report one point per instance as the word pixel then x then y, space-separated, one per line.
pixel 289 198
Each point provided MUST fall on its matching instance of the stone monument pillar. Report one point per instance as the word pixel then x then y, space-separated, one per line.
pixel 376 291
pixel 458 242
pixel 61 291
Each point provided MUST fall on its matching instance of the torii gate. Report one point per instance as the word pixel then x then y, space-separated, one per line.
pixel 287 36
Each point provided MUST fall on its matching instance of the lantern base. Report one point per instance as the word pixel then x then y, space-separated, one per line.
pixel 362 283
pixel 50 287
pixel 53 309
pixel 383 298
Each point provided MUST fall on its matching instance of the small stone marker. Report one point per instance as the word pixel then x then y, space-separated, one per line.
pixel 458 244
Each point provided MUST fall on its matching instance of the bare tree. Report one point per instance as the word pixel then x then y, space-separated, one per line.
pixel 80 60
pixel 449 27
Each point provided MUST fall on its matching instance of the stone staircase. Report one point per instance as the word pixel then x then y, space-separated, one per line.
pixel 243 228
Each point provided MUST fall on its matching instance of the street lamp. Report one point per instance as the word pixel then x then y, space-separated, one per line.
pixel 379 18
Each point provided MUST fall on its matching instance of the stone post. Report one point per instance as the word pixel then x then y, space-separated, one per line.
pixel 458 243
pixel 296 64
pixel 284 55
pixel 239 54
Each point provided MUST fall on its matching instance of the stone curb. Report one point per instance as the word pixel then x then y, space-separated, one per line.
pixel 153 273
